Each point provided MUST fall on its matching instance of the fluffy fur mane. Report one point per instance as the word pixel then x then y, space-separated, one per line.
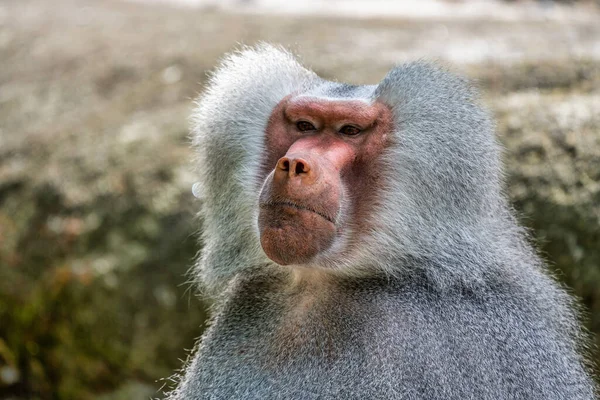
pixel 441 215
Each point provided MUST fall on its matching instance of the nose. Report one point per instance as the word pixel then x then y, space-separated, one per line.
pixel 294 166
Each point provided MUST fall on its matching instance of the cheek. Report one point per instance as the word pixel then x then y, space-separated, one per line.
pixel 364 184
pixel 365 178
pixel 276 146
pixel 278 139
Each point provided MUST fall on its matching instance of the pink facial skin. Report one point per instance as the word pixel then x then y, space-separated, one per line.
pixel 321 172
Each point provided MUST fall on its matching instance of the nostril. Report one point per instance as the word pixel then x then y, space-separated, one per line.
pixel 283 164
pixel 300 168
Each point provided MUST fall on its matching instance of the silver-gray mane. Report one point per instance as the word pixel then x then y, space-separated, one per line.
pixel 442 201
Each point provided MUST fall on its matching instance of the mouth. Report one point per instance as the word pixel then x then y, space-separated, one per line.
pixel 272 204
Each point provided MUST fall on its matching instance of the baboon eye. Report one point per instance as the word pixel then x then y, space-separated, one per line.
pixel 304 126
pixel 349 130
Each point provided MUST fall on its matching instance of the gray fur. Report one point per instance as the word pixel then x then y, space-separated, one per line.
pixel 228 125
pixel 443 299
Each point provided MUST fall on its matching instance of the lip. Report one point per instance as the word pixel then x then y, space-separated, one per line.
pixel 272 204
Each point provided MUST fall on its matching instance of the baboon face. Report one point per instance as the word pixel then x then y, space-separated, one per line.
pixel 321 174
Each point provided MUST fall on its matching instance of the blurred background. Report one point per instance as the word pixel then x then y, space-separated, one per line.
pixel 97 218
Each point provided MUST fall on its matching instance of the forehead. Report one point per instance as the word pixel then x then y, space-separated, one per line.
pixel 336 91
pixel 335 103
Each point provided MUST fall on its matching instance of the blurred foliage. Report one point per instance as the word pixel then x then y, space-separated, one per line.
pixel 91 296
pixel 97 226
